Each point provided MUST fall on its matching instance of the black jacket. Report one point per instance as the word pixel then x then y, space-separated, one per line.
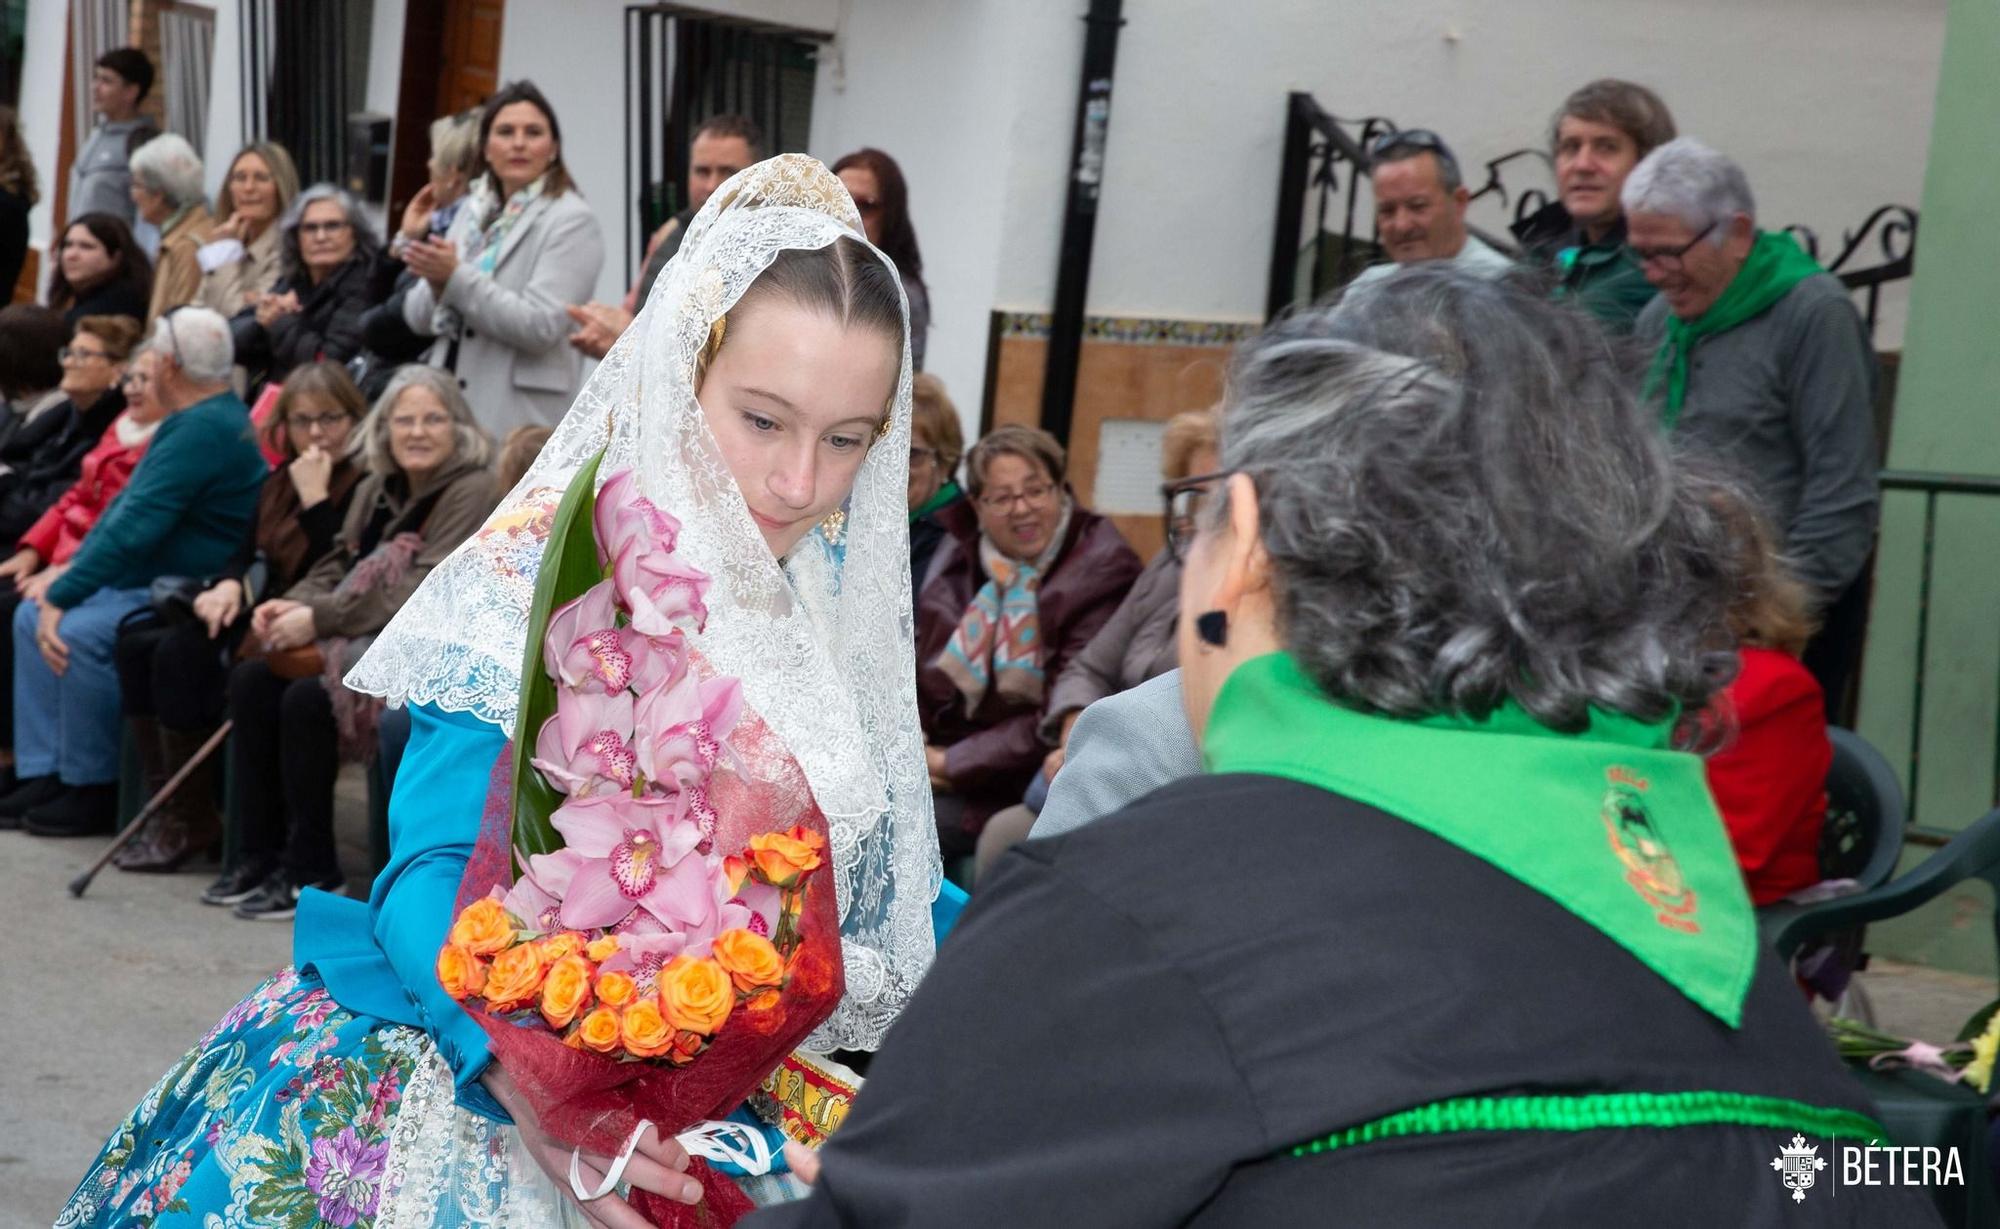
pixel 327 324
pixel 1134 1024
pixel 45 457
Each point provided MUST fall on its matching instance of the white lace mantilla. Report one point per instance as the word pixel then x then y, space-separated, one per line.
pixel 824 643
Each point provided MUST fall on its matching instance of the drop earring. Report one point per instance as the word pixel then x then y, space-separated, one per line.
pixel 1212 628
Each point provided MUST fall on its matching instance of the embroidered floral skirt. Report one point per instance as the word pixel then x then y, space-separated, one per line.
pixel 293 1113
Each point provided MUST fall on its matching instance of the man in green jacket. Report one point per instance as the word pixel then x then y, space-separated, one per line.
pixel 1601 133
pixel 187 505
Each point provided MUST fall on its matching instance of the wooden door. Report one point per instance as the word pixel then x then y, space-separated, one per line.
pixel 470 65
pixel 451 61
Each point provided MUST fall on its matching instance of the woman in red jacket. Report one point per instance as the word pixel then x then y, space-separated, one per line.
pixel 45 550
pixel 1769 778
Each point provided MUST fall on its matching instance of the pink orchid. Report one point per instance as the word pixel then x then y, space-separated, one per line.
pixel 536 897
pixel 636 855
pixel 587 650
pixel 623 515
pixel 755 907
pixel 661 590
pixel 685 726
pixel 644 955
pixel 586 747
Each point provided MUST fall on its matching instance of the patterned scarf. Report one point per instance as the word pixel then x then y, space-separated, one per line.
pixel 485 248
pixel 998 644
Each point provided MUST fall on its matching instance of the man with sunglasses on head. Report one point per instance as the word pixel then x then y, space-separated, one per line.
pixel 1420 201
pixel 1763 362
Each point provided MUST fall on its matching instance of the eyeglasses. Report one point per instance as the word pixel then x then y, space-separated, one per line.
pixel 1001 501
pixel 134 380
pixel 1184 498
pixel 321 229
pixel 308 423
pixel 1410 138
pixel 1669 259
pixel 77 354
pixel 429 422
pixel 920 456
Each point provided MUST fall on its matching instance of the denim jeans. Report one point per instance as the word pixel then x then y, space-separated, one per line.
pixel 70 724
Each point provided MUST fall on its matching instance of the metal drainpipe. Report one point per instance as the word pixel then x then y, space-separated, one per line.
pixel 1086 175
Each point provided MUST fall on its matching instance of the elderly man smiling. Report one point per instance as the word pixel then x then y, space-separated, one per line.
pixel 1420 201
pixel 1764 363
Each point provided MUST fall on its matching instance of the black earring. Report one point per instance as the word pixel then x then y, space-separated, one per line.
pixel 1212 628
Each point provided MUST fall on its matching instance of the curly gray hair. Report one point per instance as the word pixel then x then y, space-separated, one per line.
pixel 470 443
pixel 1464 505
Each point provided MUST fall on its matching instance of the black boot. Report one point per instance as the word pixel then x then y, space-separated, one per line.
pixel 78 810
pixel 30 793
pixel 187 822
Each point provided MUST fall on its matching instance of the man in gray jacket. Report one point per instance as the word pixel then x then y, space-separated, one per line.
pixel 100 181
pixel 1763 363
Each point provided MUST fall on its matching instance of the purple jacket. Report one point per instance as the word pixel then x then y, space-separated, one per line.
pixel 993 755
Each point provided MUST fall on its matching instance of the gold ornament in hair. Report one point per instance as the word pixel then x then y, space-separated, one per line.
pixel 714 346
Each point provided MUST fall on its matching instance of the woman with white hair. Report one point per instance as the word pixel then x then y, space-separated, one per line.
pixel 333 274
pixel 166 190
pixel 428 486
pixel 182 513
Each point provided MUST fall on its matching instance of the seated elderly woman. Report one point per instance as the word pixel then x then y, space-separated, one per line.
pixel 1137 644
pixel 428 486
pixel 1450 933
pixel 43 453
pixel 242 259
pixel 173 669
pixel 1001 616
pixel 334 272
pixel 166 190
pixel 186 506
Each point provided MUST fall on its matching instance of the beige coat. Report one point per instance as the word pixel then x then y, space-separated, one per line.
pixel 177 277
pixel 231 288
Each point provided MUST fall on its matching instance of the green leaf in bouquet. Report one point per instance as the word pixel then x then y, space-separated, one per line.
pixel 569 567
pixel 1980 1021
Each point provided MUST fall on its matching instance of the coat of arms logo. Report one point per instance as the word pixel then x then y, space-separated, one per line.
pixel 1650 866
pixel 1799 1163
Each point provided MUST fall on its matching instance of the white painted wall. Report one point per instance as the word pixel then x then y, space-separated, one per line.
pixel 574 50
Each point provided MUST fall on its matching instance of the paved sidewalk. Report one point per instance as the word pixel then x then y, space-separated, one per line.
pixel 102 995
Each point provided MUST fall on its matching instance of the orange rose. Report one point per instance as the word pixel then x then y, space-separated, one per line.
pixel 783 859
pixel 696 994
pixel 601 950
pixel 565 990
pixel 734 869
pixel 599 1031
pixel 749 959
pixel 516 977
pixel 687 1047
pixel 484 928
pixel 461 973
pixel 644 1030
pixel 616 989
pixel 555 947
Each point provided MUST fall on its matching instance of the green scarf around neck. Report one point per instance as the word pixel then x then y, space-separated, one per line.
pixel 1775 265
pixel 1612 823
pixel 942 496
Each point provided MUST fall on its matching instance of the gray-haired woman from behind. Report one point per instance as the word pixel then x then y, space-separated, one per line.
pixel 428 487
pixel 167 191
pixel 1449 900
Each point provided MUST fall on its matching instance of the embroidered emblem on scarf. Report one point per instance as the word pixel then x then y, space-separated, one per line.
pixel 1650 866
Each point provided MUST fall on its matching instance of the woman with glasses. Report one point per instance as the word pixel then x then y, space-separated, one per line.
pixel 428 486
pixel 938 507
pixel 1004 616
pixel 173 671
pixel 242 258
pixel 883 197
pixel 334 272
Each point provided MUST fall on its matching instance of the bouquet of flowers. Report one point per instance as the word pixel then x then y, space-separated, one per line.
pixel 1969 1059
pixel 641 933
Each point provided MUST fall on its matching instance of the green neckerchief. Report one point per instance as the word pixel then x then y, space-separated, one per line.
pixel 1775 265
pixel 945 494
pixel 1611 824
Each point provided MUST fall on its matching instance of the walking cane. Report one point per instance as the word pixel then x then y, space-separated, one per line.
pixel 78 885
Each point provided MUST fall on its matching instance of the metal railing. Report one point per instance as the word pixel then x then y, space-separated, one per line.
pixel 683 65
pixel 1931 487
